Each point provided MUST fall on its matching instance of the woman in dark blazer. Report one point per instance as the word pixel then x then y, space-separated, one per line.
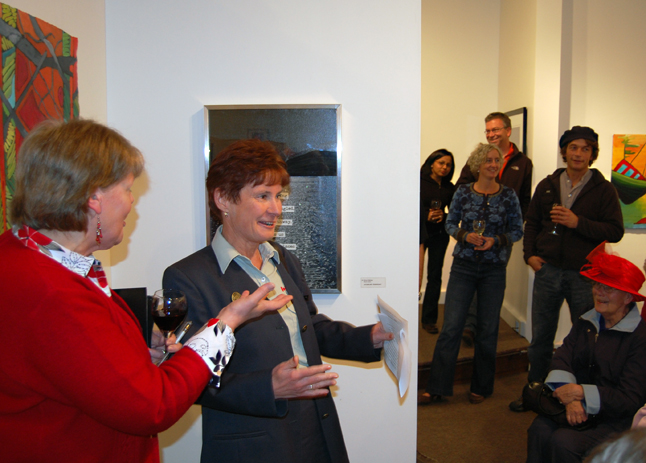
pixel 254 416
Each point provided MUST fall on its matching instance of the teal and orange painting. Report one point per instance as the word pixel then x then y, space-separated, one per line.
pixel 629 177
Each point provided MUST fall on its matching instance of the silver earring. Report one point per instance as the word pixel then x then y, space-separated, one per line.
pixel 226 214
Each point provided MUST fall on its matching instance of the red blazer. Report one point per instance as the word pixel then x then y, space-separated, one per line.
pixel 76 380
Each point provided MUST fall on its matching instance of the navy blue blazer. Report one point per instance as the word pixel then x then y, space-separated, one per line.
pixel 241 421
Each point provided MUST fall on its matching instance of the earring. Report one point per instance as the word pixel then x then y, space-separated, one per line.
pixel 226 214
pixel 99 234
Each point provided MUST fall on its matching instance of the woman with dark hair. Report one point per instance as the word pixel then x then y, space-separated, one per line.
pixel 77 383
pixel 436 193
pixel 599 372
pixel 270 408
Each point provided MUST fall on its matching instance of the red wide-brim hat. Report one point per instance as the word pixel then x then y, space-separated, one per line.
pixel 614 271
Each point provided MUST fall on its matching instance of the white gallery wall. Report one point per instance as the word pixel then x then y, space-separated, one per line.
pixel 166 60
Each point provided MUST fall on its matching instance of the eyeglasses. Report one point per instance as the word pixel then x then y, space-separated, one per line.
pixel 494 131
pixel 604 288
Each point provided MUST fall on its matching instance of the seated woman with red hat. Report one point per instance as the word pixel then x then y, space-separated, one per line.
pixel 599 373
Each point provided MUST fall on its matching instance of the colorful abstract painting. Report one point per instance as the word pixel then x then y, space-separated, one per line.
pixel 629 177
pixel 39 82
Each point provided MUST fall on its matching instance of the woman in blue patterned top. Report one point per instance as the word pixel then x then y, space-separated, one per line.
pixel 479 266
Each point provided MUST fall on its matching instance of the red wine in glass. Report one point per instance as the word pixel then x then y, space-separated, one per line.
pixel 169 310
pixel 169 322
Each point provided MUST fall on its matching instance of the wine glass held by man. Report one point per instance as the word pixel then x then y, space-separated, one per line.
pixel 275 353
pixel 78 383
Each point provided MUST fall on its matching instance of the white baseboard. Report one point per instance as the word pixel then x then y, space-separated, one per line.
pixel 512 319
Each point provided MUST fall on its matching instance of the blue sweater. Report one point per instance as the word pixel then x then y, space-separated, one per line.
pixel 501 212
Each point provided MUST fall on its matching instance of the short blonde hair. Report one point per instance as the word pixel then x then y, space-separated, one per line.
pixel 60 165
pixel 479 156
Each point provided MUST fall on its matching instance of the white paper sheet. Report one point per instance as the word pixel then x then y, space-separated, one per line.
pixel 397 353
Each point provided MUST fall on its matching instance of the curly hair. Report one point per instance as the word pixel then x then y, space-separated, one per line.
pixel 479 156
pixel 245 162
pixel 61 164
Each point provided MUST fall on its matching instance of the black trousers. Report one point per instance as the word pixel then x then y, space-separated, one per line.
pixel 436 246
pixel 547 443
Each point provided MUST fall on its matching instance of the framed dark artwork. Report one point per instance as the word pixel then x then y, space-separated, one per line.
pixel 519 128
pixel 39 81
pixel 308 137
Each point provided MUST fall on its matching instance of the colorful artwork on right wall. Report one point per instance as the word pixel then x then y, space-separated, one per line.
pixel 629 177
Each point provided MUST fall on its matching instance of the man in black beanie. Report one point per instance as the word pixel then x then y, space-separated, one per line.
pixel 572 211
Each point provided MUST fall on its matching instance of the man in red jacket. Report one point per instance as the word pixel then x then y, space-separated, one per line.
pixel 573 211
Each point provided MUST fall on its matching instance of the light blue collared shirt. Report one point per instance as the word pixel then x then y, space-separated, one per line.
pixel 591 399
pixel 268 273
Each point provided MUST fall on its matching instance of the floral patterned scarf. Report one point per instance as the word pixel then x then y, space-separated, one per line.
pixel 87 267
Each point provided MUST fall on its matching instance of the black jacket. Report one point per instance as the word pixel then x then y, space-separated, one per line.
pixel 430 190
pixel 600 219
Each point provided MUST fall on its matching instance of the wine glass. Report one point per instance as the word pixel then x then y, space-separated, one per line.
pixel 479 226
pixel 169 309
pixel 554 232
pixel 435 205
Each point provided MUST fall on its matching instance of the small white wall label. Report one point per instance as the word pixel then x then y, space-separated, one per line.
pixel 375 282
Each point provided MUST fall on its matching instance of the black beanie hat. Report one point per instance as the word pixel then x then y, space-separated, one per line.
pixel 576 133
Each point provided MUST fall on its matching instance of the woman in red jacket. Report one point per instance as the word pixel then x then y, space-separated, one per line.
pixel 77 383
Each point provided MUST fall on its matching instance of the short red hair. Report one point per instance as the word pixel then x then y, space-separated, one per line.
pixel 245 162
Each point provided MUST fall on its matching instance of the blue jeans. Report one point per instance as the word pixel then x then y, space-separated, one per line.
pixel 552 285
pixel 436 246
pixel 468 278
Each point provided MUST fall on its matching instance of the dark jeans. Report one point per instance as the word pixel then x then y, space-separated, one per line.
pixel 552 285
pixel 467 278
pixel 436 246
pixel 547 443
pixel 471 316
